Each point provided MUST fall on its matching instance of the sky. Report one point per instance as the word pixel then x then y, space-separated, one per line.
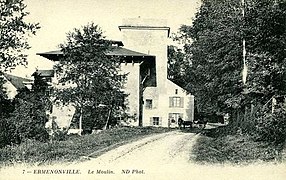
pixel 58 17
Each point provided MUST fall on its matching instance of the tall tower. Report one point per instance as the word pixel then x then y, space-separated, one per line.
pixel 149 36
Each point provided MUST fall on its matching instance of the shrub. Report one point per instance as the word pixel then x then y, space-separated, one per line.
pixel 271 127
pixel 7 133
pixel 22 124
pixel 59 135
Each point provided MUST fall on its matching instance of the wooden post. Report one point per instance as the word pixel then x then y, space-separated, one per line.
pixel 80 122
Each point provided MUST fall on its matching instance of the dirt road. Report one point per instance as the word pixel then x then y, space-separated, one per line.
pixel 163 156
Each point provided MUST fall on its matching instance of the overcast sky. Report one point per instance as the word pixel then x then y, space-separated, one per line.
pixel 57 17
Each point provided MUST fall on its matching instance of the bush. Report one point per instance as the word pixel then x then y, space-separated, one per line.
pixel 7 133
pixel 27 127
pixel 22 124
pixel 60 135
pixel 271 127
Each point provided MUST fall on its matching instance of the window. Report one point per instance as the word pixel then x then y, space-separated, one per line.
pixel 148 104
pixel 176 91
pixel 176 102
pixel 156 121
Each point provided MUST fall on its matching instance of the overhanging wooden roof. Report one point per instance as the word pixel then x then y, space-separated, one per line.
pixel 115 51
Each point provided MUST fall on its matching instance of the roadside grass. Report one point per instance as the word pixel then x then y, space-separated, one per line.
pixel 75 148
pixel 214 147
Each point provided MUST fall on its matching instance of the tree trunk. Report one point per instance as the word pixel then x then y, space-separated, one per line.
pixel 107 120
pixel 80 122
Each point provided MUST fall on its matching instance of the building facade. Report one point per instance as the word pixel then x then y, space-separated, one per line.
pixel 153 99
pixel 163 103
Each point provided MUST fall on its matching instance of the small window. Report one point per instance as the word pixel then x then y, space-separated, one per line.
pixel 156 121
pixel 176 91
pixel 148 104
pixel 176 102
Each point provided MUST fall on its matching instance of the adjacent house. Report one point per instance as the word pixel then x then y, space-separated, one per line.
pixel 153 99
pixel 59 113
pixel 14 83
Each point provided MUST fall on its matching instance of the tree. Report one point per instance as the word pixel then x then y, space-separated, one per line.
pixel 214 43
pixel 13 33
pixel 28 118
pixel 177 63
pixel 266 35
pixel 91 77
pixel 215 50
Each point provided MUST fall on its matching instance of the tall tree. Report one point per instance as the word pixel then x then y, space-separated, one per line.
pixel 14 31
pixel 215 50
pixel 215 47
pixel 92 79
pixel 265 34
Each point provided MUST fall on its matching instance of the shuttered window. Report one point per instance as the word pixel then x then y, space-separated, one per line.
pixel 149 104
pixel 176 102
pixel 156 121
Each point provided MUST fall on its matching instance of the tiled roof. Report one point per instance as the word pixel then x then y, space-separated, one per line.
pixel 18 82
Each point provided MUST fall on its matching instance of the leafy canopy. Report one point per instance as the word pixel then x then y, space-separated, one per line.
pixel 89 76
pixel 214 43
pixel 14 32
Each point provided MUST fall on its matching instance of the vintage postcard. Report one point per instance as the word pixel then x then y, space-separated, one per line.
pixel 133 89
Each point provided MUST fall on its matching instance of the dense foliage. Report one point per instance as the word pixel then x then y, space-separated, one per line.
pixel 214 43
pixel 216 53
pixel 28 118
pixel 90 78
pixel 13 33
pixel 177 64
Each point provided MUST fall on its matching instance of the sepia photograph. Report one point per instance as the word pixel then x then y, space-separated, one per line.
pixel 133 89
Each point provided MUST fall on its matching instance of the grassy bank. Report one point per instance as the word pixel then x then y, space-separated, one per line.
pixel 214 146
pixel 75 148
